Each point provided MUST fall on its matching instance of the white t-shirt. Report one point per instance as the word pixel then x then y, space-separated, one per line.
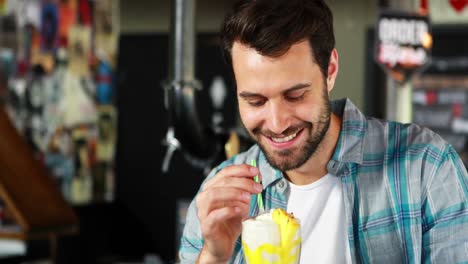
pixel 320 209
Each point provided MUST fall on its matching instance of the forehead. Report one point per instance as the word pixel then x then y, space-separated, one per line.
pixel 254 71
pixel 249 56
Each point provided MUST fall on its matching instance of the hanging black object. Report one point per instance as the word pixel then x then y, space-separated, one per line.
pixel 199 144
pixel 403 43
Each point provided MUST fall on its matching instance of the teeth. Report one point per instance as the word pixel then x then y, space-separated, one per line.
pixel 284 139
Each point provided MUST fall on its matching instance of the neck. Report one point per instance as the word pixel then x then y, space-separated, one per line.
pixel 316 166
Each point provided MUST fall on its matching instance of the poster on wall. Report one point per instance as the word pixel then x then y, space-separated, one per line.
pixel 57 74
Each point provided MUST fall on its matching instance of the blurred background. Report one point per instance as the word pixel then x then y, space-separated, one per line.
pixel 114 111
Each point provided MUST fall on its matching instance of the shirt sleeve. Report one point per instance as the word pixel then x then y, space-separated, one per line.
pixel 445 212
pixel 191 242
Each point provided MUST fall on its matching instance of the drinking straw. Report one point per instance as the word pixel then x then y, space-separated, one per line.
pixel 261 208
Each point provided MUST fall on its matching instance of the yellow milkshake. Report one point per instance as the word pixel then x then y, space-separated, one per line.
pixel 272 238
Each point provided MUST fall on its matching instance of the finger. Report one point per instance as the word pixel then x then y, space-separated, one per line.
pixel 245 184
pixel 243 206
pixel 242 170
pixel 217 204
pixel 222 204
pixel 219 217
pixel 219 197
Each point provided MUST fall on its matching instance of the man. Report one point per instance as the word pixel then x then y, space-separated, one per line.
pixel 364 190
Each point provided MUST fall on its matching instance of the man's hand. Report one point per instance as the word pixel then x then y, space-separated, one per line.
pixel 222 205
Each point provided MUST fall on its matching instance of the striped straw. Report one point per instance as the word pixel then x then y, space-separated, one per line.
pixel 261 208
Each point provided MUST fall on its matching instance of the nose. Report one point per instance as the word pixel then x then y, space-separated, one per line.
pixel 278 120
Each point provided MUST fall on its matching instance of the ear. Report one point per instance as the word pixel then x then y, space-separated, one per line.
pixel 332 70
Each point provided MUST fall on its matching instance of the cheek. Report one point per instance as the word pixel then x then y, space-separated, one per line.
pixel 306 113
pixel 251 118
pixel 309 111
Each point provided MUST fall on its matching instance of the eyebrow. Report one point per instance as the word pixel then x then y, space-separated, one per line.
pixel 247 95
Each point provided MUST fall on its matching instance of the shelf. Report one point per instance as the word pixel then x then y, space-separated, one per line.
pixel 31 195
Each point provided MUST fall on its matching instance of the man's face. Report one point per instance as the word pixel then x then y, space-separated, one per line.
pixel 283 103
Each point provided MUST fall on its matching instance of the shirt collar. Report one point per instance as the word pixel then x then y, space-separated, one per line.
pixel 350 145
pixel 269 174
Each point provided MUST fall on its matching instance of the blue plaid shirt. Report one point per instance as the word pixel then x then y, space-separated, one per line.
pixel 405 193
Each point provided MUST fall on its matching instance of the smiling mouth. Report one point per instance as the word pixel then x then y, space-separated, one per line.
pixel 285 139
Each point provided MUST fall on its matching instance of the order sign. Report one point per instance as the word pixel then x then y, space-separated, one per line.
pixel 403 43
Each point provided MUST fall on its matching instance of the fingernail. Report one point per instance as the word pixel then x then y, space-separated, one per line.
pixel 258 187
pixel 253 170
pixel 246 196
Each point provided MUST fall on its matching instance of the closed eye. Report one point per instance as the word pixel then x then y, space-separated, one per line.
pixel 253 99
pixel 295 96
pixel 256 103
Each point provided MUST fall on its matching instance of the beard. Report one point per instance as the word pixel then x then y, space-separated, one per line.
pixel 293 158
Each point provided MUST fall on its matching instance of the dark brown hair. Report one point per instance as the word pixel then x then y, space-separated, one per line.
pixel 271 27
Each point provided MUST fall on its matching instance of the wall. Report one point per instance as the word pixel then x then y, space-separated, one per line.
pixel 351 21
pixel 442 13
pixel 154 16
